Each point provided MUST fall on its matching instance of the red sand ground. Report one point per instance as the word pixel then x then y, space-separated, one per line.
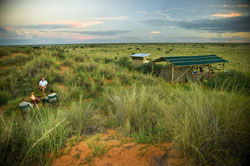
pixel 117 151
pixel 108 81
pixel 10 66
pixel 63 69
pixel 12 55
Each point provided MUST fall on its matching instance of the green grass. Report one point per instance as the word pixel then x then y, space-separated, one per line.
pixel 211 127
pixel 207 122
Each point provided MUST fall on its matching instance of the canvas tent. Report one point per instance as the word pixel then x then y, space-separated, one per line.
pixel 139 59
pixel 180 68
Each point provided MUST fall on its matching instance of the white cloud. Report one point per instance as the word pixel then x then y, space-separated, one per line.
pixel 155 32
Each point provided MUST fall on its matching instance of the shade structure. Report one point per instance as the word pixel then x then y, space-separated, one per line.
pixel 140 55
pixel 180 67
pixel 192 60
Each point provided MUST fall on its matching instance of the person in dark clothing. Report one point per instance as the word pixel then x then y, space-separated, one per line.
pixel 52 97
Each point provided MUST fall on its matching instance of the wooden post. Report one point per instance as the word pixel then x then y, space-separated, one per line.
pixel 182 74
pixel 172 73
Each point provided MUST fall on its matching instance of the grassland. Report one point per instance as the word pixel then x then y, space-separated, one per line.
pixel 99 89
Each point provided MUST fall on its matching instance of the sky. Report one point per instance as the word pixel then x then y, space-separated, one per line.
pixel 35 22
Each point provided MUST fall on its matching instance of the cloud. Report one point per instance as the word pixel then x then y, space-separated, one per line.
pixel 234 24
pixel 155 32
pixel 142 12
pixel 110 18
pixel 233 39
pixel 227 15
pixel 75 24
pixel 100 33
pixel 4 29
pixel 43 31
pixel 15 33
pixel 240 5
pixel 63 24
pixel 83 37
pixel 46 26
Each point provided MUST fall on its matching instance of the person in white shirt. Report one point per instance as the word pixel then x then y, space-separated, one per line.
pixel 43 84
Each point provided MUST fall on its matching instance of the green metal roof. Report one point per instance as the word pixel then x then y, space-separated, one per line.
pixel 191 60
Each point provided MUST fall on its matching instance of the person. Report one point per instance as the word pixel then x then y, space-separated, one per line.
pixel 34 99
pixel 43 85
pixel 25 106
pixel 52 97
pixel 24 103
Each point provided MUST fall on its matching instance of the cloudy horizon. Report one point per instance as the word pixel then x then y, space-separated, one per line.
pixel 29 22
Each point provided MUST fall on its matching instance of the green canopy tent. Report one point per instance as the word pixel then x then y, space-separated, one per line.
pixel 180 67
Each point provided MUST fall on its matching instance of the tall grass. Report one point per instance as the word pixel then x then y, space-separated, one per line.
pixel 135 110
pixel 209 127
pixel 212 127
pixel 230 81
pixel 30 141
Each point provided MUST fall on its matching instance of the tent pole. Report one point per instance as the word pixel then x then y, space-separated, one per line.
pixel 172 73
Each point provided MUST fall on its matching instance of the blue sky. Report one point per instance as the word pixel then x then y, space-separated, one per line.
pixel 123 21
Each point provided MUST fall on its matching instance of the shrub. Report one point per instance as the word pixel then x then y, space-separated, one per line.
pixel 136 112
pixel 82 118
pixel 59 54
pixel 124 62
pixel 229 81
pixel 79 58
pixel 75 92
pixel 147 68
pixel 18 60
pixel 31 142
pixel 4 97
pixel 4 51
pixel 211 127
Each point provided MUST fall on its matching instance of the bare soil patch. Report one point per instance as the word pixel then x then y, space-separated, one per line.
pixel 110 149
pixel 63 69
pixel 13 55
pixel 108 81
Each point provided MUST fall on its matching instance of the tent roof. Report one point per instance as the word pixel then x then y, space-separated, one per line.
pixel 140 55
pixel 191 60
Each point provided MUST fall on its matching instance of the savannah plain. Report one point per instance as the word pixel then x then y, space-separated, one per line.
pixel 110 113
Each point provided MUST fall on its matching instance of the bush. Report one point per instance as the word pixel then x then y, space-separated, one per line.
pixel 4 51
pixel 229 81
pixel 23 143
pixel 147 68
pixel 4 97
pixel 211 127
pixel 136 112
pixel 124 62
pixel 82 118
pixel 18 60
